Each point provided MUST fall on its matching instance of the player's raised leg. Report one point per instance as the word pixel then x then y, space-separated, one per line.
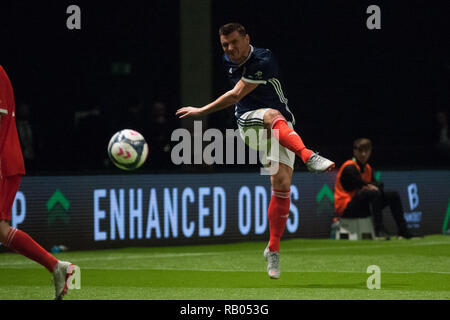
pixel 20 242
pixel 278 213
pixel 291 140
pixel 23 244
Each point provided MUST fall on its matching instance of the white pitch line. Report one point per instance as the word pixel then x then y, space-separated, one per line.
pixel 251 270
pixel 199 254
pixel 103 267
pixel 257 270
pixel 122 257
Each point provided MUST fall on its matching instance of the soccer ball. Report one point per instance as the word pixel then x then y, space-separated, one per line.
pixel 127 149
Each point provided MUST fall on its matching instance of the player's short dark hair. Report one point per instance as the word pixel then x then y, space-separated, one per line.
pixel 362 144
pixel 228 28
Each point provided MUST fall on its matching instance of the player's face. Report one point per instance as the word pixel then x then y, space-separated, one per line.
pixel 236 46
pixel 362 155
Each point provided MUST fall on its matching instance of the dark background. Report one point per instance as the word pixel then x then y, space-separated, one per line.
pixel 342 80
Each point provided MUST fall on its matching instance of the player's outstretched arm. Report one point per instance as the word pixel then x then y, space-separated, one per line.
pixel 229 98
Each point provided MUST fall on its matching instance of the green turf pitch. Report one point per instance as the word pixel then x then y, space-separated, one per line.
pixel 311 269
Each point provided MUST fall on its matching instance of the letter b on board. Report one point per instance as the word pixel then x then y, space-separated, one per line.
pixel 413 196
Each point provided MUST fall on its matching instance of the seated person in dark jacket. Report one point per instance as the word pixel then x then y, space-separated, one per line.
pixel 356 191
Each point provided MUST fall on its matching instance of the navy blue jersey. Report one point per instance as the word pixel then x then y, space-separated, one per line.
pixel 260 67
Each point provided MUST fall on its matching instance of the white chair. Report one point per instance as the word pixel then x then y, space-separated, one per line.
pixel 355 229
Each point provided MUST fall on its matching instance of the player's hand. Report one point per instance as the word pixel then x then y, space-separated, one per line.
pixel 189 112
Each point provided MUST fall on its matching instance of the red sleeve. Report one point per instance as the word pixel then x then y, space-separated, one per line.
pixel 10 151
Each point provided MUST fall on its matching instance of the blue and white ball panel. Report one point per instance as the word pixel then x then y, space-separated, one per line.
pixel 128 149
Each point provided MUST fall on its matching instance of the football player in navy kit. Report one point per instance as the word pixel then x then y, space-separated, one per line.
pixel 260 103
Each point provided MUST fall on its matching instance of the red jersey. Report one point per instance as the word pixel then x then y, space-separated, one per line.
pixel 11 158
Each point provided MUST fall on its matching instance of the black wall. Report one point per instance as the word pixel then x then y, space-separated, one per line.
pixel 343 81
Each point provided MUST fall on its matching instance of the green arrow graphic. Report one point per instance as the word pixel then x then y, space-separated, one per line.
pixel 325 191
pixel 57 207
pixel 58 197
pixel 377 175
pixel 446 220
